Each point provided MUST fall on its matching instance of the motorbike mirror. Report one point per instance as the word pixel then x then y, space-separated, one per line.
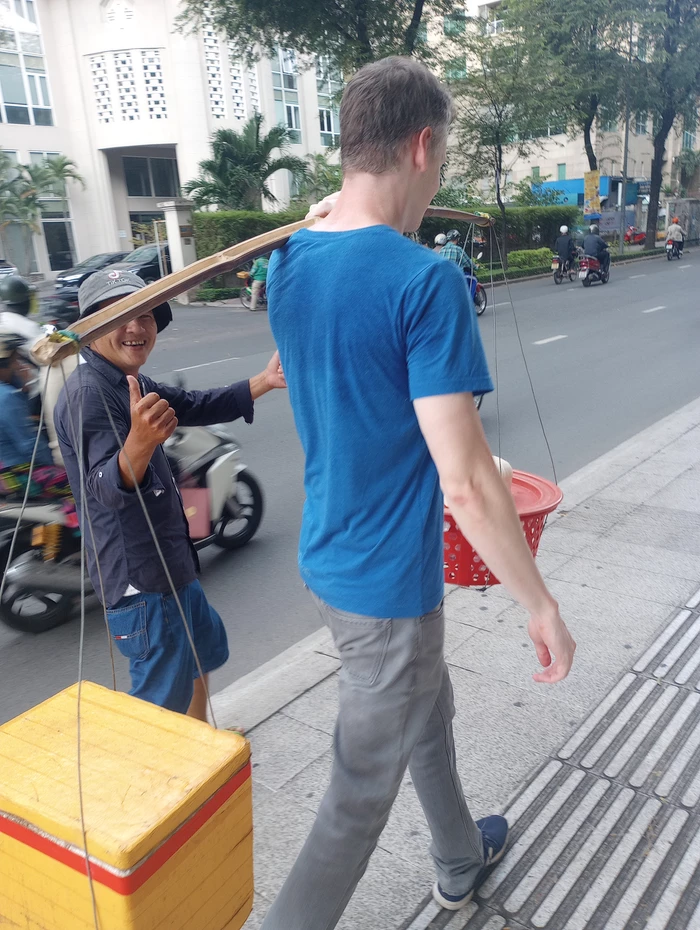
pixel 480 255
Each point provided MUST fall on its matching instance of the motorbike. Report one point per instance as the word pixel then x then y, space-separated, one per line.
pixel 590 270
pixel 634 236
pixel 476 289
pixel 246 293
pixel 674 249
pixel 223 503
pixel 59 310
pixel 564 269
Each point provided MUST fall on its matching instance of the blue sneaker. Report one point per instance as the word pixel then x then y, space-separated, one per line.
pixel 494 830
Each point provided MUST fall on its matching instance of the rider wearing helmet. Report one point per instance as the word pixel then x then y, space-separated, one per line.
pixel 565 248
pixel 440 241
pixel 453 253
pixel 16 296
pixel 676 233
pixel 595 246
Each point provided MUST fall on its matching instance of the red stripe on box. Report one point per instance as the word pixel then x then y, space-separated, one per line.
pixel 131 882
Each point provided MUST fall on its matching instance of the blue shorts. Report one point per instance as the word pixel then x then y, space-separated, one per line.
pixel 148 630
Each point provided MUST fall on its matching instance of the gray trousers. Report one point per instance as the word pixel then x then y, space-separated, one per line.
pixel 396 710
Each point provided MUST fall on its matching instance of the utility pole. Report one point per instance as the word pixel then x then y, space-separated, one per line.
pixel 625 150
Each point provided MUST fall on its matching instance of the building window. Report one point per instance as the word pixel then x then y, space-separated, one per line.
pixel 100 86
pixel 24 8
pixel 56 221
pixel 212 62
pixel 237 89
pixel 126 86
pixel 561 172
pixel 689 131
pixel 454 24
pixel 495 26
pixel 536 173
pixel 24 88
pixel 151 177
pixel 456 69
pixel 640 124
pixel 608 122
pixel 153 80
pixel 329 86
pixel 286 93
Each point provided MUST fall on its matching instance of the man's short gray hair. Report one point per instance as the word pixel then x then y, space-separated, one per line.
pixel 384 105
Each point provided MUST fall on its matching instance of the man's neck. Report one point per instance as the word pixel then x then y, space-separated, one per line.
pixel 369 200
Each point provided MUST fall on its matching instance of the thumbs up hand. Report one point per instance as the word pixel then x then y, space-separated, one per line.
pixel 153 420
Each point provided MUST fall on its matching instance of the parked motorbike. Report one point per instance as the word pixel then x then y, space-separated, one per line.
pixel 634 236
pixel 590 270
pixel 674 249
pixel 246 293
pixel 476 289
pixel 222 500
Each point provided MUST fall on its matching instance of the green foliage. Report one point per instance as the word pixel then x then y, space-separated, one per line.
pixel 235 177
pixel 323 177
pixel 350 32
pixel 455 195
pixel 209 294
pixel 529 258
pixel 216 231
pixel 527 227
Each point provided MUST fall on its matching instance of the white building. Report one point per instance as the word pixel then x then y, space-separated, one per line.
pixel 112 85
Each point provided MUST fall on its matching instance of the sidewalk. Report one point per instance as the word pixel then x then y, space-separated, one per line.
pixel 600 774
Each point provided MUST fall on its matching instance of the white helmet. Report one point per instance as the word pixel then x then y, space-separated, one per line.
pixel 563 230
pixel 440 239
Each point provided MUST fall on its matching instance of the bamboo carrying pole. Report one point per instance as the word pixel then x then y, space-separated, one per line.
pixel 53 348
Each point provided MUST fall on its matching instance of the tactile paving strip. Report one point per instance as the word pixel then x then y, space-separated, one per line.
pixel 606 836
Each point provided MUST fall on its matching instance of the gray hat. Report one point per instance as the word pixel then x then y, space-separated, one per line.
pixel 108 285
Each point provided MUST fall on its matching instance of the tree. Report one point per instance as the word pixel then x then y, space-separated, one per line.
pixel 323 177
pixel 670 83
pixel 235 177
pixel 22 188
pixel 584 44
pixel 349 32
pixel 502 107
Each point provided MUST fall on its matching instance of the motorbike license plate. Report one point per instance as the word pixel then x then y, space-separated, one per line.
pixel 555 265
pixel 582 274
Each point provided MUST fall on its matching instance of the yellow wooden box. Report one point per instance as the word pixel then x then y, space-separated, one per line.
pixel 168 812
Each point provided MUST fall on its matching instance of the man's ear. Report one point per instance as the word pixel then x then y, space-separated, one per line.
pixel 422 142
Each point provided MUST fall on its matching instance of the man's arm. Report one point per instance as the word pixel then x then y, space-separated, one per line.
pixel 486 515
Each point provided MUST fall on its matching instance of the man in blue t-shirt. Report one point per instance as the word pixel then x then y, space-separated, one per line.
pixel 381 383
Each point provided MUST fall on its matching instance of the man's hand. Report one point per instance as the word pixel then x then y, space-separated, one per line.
pixel 554 645
pixel 324 207
pixel 268 380
pixel 153 420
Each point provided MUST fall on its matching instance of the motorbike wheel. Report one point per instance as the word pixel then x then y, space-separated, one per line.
pixel 669 255
pixel 33 612
pixel 558 277
pixel 587 281
pixel 244 511
pixel 480 300
pixel 605 277
pixel 246 297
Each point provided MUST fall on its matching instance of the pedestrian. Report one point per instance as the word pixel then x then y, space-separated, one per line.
pixel 258 276
pixel 381 383
pixel 142 611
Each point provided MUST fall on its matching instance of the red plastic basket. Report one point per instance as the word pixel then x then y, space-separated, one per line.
pixel 534 497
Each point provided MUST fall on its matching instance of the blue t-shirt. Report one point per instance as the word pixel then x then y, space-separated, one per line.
pixel 357 349
pixel 18 432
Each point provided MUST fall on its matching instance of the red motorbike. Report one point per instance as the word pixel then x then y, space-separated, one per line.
pixel 590 270
pixel 634 236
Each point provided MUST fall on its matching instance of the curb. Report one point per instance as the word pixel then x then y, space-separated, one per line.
pixel 260 694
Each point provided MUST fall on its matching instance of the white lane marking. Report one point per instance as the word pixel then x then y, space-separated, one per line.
pixel 681 267
pixel 633 276
pixel 653 309
pixel 219 361
pixel 543 342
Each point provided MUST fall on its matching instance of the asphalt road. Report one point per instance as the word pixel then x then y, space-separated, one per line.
pixel 605 363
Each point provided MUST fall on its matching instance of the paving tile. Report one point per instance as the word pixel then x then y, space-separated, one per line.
pixel 308 787
pixel 683 493
pixel 561 537
pixel 595 515
pixel 639 582
pixel 635 487
pixel 661 527
pixel 282 747
pixel 475 607
pixel 660 561
pixel 318 707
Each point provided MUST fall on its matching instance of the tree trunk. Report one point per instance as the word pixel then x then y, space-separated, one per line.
pixel 414 25
pixel 587 141
pixel 365 52
pixel 657 168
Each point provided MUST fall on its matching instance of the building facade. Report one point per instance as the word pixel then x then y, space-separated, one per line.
pixel 114 86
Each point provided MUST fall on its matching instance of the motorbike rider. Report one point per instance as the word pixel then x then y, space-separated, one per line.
pixel 258 277
pixel 453 253
pixel 676 233
pixel 440 242
pixel 18 435
pixel 596 247
pixel 565 248
pixel 126 417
